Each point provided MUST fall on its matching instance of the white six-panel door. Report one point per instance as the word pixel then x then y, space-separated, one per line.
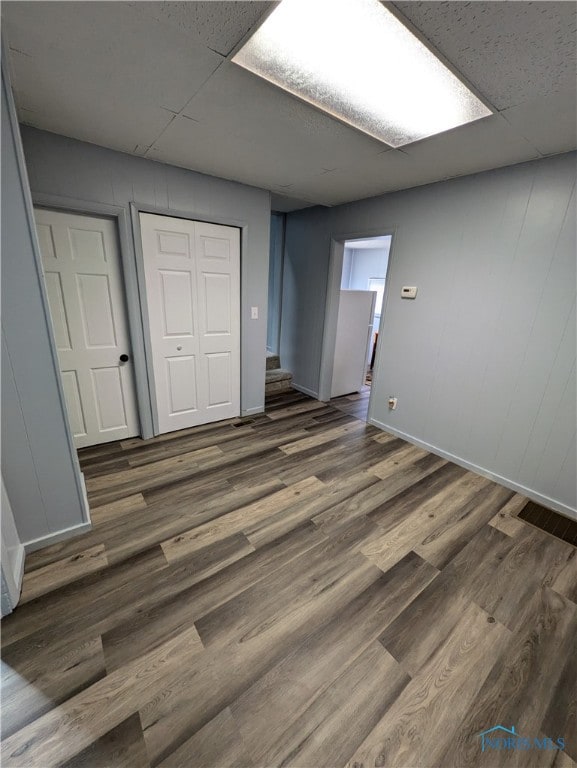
pixel 83 277
pixel 192 275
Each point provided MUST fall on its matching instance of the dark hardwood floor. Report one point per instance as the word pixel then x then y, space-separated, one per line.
pixel 355 404
pixel 296 588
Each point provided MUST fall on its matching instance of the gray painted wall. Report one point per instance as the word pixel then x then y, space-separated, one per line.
pixel 39 465
pixel 73 170
pixel 275 270
pixel 483 361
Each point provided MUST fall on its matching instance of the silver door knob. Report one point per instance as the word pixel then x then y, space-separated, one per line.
pixel 179 347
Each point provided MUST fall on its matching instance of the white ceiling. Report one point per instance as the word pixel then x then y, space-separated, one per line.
pixel 152 79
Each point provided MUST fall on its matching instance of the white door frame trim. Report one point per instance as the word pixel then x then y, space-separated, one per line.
pixel 337 250
pixel 131 291
pixel 136 209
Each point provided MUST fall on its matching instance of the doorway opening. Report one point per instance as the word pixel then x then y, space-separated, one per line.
pixel 361 296
pixel 277 378
pixel 275 278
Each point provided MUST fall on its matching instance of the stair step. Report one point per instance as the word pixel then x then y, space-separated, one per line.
pixel 277 380
pixel 272 362
pixel 274 387
pixel 278 374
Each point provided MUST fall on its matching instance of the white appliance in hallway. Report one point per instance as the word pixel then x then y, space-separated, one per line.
pixel 192 275
pixel 82 271
pixel 354 334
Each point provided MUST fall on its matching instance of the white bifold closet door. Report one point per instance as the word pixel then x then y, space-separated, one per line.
pixel 192 275
pixel 83 276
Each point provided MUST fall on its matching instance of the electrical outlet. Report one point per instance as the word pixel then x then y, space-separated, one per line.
pixel 254 313
pixel 392 403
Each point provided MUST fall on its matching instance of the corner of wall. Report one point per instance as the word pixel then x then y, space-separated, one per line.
pixel 36 438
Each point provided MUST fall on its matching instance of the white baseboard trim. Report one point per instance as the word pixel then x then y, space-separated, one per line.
pixel 54 538
pixel 252 411
pixel 535 496
pixel 305 390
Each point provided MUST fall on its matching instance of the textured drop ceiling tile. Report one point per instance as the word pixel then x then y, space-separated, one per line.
pixel 284 204
pixel 92 114
pixel 212 149
pixel 479 146
pixel 487 143
pixel 368 178
pixel 104 51
pixel 550 124
pixel 254 109
pixel 513 52
pixel 218 25
pixel 131 133
pixel 103 72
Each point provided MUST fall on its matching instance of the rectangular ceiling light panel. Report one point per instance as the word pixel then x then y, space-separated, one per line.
pixel 355 60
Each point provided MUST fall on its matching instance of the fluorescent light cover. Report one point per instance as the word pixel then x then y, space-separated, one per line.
pixel 355 60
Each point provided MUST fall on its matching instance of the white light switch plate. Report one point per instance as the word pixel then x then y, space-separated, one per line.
pixel 254 313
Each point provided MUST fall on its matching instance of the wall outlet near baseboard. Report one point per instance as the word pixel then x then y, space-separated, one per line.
pixel 392 403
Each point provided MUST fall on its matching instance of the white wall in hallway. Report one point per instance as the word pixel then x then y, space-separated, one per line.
pixel 364 264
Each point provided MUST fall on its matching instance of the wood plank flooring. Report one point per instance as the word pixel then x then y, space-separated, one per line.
pixel 356 404
pixel 292 589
